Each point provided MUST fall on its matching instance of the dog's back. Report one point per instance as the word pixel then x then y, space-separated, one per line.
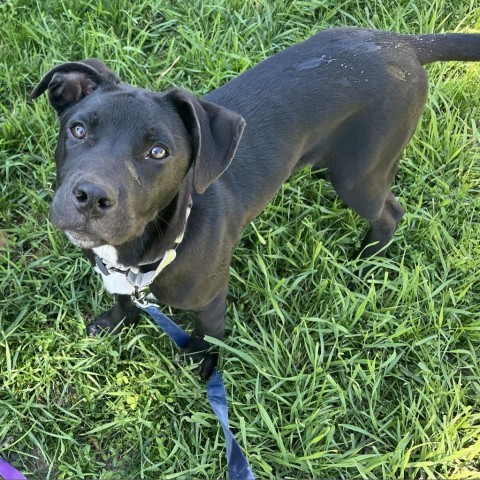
pixel 345 99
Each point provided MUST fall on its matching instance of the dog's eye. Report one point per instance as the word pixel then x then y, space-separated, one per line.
pixel 78 131
pixel 158 152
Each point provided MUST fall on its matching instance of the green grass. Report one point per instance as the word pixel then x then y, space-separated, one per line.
pixel 323 383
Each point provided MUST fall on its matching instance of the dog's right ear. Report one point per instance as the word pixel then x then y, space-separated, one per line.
pixel 69 82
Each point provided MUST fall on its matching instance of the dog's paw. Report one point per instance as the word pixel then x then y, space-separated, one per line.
pixel 123 314
pixel 106 324
pixel 102 326
pixel 200 352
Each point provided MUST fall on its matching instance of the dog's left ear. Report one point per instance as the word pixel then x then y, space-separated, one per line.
pixel 215 132
pixel 69 82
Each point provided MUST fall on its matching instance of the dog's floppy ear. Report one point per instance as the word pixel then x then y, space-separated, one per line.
pixel 215 132
pixel 69 82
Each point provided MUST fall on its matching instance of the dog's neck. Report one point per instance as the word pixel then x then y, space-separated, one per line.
pixel 159 236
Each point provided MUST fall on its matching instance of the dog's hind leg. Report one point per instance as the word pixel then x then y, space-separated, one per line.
pixel 362 169
pixel 382 229
pixel 365 149
pixel 379 207
pixel 383 213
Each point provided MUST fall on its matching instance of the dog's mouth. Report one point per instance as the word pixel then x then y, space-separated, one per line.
pixel 84 240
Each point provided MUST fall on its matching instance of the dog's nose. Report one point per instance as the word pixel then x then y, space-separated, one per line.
pixel 92 198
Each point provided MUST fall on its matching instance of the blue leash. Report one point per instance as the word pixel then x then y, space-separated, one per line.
pixel 238 468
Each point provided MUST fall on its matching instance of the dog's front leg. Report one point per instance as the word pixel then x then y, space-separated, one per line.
pixel 211 322
pixel 124 313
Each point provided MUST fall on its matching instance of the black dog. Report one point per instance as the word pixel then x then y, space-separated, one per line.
pixel 130 162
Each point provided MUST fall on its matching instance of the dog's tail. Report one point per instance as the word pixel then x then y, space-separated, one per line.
pixel 463 47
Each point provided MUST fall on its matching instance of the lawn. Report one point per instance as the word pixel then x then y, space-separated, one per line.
pixel 382 382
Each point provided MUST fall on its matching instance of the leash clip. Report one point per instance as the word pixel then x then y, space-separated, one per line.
pixel 140 296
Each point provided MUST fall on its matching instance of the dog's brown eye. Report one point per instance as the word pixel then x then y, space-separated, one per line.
pixel 158 152
pixel 78 131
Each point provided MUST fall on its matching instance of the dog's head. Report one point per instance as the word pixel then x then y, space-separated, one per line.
pixel 124 153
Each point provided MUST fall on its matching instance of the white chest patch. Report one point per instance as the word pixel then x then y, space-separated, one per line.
pixel 115 282
pixel 109 255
